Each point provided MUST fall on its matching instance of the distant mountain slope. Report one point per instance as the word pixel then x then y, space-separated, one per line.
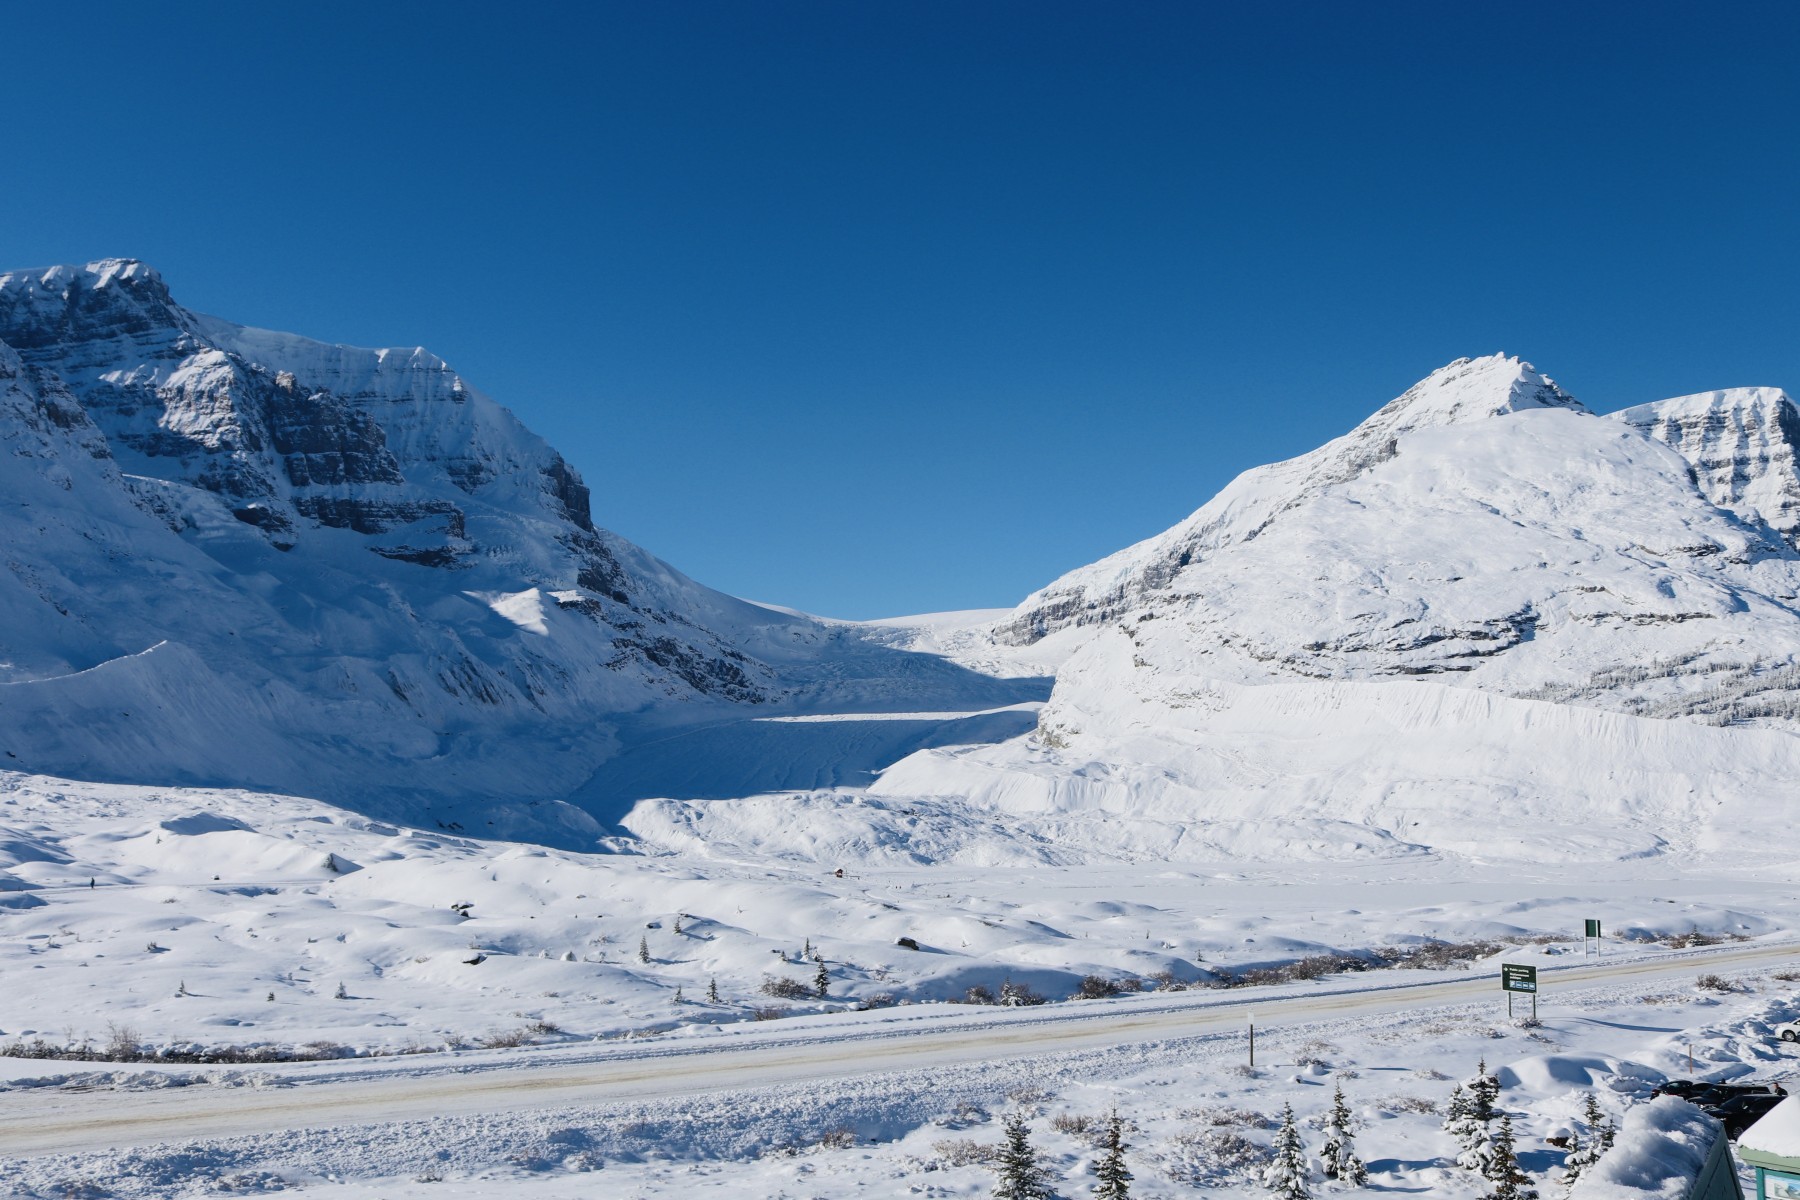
pixel 1466 390
pixel 1485 621
pixel 234 556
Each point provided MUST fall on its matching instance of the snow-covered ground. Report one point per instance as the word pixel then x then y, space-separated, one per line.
pixel 205 904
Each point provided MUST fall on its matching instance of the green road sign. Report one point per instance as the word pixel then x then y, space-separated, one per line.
pixel 1518 979
pixel 1593 928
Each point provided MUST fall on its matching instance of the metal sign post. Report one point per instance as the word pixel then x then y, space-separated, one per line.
pixel 1590 931
pixel 1515 977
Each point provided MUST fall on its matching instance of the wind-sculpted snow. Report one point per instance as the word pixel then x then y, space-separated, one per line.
pixel 242 557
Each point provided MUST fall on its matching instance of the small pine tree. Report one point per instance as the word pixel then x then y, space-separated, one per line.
pixel 341 993
pixel 1476 1132
pixel 1286 1176
pixel 1456 1111
pixel 807 952
pixel 182 990
pixel 1339 1148
pixel 271 997
pixel 1510 1183
pixel 1585 1153
pixel 643 949
pixel 678 994
pixel 1021 1177
pixel 1604 1130
pixel 1115 1177
pixel 678 924
pixel 712 989
pixel 822 980
pixel 1578 1159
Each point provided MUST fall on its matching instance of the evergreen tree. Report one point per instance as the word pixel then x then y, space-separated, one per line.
pixel 1286 1176
pixel 1603 1129
pixel 643 949
pixel 1115 1178
pixel 1456 1112
pixel 1510 1183
pixel 822 980
pixel 1476 1132
pixel 678 924
pixel 1339 1148
pixel 1021 1176
pixel 1578 1159
pixel 678 998
pixel 712 989
pixel 1585 1153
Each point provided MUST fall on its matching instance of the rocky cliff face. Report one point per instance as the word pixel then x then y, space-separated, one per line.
pixel 1742 443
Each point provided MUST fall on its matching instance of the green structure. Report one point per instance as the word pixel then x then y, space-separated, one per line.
pixel 1771 1147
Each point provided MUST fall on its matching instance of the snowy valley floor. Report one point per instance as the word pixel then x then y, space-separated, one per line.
pixel 227 918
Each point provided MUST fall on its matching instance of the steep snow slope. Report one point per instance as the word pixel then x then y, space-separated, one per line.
pixel 242 557
pixel 1466 390
pixel 1486 622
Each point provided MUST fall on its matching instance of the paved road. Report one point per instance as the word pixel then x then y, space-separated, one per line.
pixel 56 1121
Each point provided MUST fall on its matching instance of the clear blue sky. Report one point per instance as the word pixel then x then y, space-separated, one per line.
pixel 880 307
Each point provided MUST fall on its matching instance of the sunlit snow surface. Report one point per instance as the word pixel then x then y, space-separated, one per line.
pixel 1484 667
pixel 178 914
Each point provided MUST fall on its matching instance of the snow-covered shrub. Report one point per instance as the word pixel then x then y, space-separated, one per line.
pixel 1223 1115
pixel 1209 1157
pixel 1015 995
pixel 965 1152
pixel 1096 987
pixel 784 988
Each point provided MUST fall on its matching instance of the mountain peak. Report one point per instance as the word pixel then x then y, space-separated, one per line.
pixel 125 273
pixel 103 299
pixel 1472 389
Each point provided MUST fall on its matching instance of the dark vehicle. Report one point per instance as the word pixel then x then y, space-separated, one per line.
pixel 1741 1112
pixel 1737 1106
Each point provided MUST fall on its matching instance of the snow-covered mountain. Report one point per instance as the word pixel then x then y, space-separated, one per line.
pixel 1486 621
pixel 242 557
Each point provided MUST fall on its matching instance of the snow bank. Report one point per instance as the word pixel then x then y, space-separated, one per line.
pixel 1662 1150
